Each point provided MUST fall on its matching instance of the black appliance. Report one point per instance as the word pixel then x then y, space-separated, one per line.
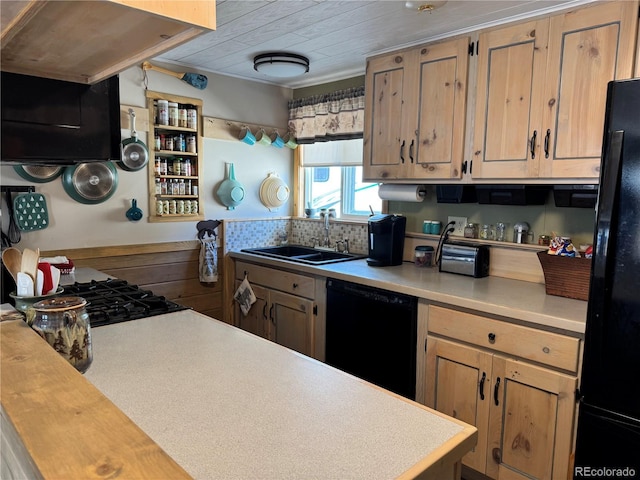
pixel 512 194
pixel 52 122
pixel 372 334
pixel 608 434
pixel 114 301
pixel 576 196
pixel 386 239
pixel 456 194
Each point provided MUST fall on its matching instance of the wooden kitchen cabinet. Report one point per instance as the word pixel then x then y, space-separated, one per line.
pixel 175 196
pixel 284 311
pixel 541 92
pixel 89 41
pixel 415 113
pixel 487 373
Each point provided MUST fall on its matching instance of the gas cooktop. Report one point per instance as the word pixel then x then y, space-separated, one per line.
pixel 113 301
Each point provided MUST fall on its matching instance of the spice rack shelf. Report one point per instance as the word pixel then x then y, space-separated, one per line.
pixel 175 171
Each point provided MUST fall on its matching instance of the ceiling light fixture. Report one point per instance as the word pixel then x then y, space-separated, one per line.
pixel 424 6
pixel 281 64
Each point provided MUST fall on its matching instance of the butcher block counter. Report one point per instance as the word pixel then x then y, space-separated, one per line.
pixel 207 400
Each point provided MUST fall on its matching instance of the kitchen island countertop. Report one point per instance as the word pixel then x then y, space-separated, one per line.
pixel 226 404
pixel 512 299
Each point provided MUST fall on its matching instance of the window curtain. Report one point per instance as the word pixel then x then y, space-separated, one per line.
pixel 332 116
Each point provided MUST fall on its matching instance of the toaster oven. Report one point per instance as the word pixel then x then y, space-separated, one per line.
pixel 465 259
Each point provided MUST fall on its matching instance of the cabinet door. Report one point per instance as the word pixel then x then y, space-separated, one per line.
pixel 291 321
pixel 442 110
pixel 509 101
pixel 531 421
pixel 388 117
pixel 457 384
pixel 587 49
pixel 257 320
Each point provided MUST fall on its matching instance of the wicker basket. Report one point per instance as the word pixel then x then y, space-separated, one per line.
pixel 566 276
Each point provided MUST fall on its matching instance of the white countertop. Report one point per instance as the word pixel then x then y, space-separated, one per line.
pixel 513 299
pixel 227 404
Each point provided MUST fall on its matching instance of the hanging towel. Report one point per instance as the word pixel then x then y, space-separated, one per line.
pixel 244 296
pixel 208 260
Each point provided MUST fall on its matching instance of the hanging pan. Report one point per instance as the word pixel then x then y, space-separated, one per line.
pixel 90 183
pixel 38 173
pixel 134 154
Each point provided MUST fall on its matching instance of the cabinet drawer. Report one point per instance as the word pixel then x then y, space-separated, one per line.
pixel 552 349
pixel 289 282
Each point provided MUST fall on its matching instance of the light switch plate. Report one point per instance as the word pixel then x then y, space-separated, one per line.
pixel 459 226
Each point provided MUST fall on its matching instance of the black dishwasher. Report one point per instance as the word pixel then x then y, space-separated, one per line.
pixel 372 334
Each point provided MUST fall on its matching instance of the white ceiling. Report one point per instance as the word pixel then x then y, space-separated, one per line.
pixel 336 36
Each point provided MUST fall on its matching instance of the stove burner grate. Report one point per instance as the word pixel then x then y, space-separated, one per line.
pixel 114 300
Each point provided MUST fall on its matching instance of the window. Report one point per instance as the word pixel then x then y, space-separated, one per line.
pixel 333 179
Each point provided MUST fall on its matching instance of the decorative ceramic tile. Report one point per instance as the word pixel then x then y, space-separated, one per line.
pixel 241 234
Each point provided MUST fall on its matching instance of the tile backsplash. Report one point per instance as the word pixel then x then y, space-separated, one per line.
pixel 241 234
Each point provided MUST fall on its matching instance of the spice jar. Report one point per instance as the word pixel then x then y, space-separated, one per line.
pixel 471 230
pixel 423 256
pixel 64 323
pixel 173 114
pixel 486 232
pixel 163 112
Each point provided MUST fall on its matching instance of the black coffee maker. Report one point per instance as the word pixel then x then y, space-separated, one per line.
pixel 386 240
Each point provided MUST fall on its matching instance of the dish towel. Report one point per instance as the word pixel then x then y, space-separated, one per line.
pixel 208 262
pixel 244 296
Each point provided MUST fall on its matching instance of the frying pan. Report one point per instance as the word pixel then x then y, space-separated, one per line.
pixel 37 173
pixel 90 183
pixel 135 154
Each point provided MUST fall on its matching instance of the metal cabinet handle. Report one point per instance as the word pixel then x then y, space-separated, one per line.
pixel 295 285
pixel 402 151
pixel 273 320
pixel 264 311
pixel 495 391
pixel 484 377
pixel 546 143
pixel 411 151
pixel 533 144
pixel 492 338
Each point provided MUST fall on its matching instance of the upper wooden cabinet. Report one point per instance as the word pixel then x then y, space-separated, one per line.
pixel 88 41
pixel 415 113
pixel 541 92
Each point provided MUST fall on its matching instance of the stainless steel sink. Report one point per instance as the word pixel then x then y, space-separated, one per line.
pixel 302 254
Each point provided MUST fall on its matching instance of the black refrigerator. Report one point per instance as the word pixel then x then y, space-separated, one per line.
pixel 608 435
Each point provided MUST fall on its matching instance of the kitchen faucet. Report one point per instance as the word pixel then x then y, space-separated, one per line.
pixel 326 215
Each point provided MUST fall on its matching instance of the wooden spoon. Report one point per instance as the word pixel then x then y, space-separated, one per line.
pixel 30 260
pixel 12 259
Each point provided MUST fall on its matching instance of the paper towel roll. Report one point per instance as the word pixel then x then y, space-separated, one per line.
pixel 402 193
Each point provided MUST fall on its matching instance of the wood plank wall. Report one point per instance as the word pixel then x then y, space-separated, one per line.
pixel 169 269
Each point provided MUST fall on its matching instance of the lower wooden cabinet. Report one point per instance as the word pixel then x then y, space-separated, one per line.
pixel 524 413
pixel 277 315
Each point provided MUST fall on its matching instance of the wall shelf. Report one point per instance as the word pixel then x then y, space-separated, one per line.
pixel 176 206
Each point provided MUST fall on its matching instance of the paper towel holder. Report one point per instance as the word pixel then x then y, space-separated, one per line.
pixel 402 192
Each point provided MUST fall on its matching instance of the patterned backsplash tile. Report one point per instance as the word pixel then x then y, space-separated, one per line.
pixel 241 234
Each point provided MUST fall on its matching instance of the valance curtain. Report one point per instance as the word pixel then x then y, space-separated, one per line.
pixel 332 116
